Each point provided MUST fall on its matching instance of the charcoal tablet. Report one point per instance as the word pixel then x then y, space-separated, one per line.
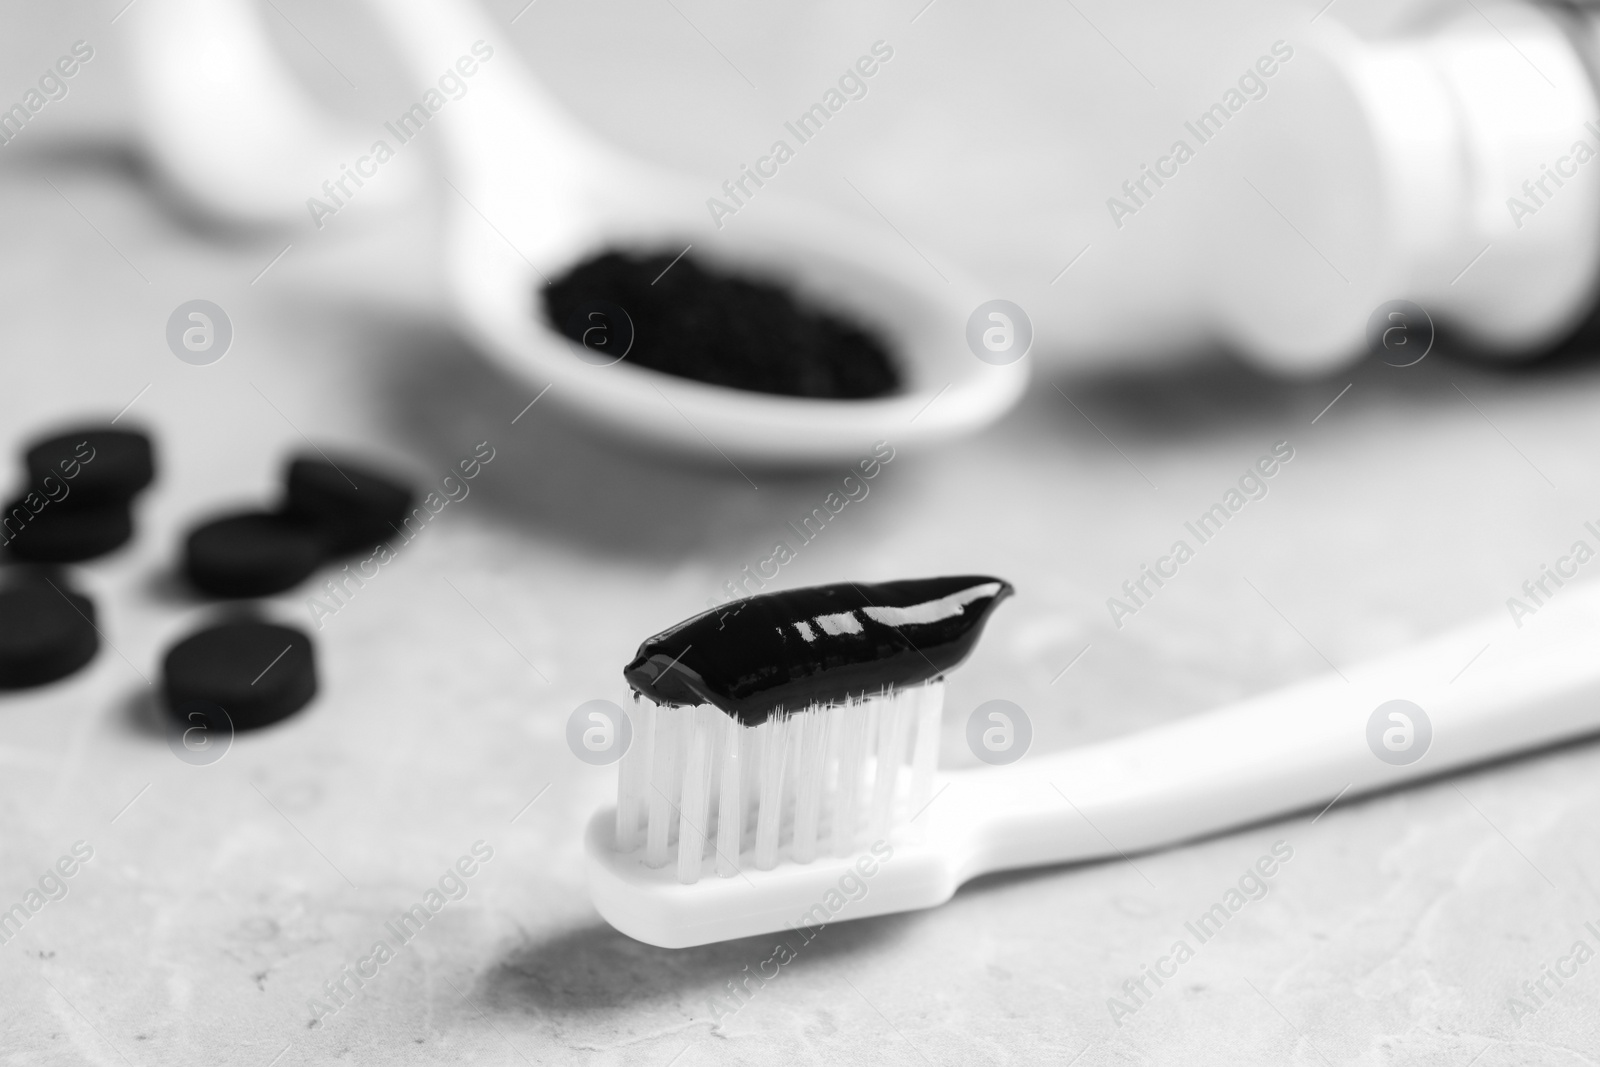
pixel 46 632
pixel 253 553
pixel 257 672
pixel 97 465
pixel 60 533
pixel 353 506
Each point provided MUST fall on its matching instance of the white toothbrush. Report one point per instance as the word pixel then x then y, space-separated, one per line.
pixel 1487 690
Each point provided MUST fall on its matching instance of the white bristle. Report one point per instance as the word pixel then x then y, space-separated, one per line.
pixel 928 706
pixel 633 777
pixel 750 760
pixel 696 792
pixel 769 809
pixel 730 800
pixel 757 796
pixel 662 797
pixel 892 731
pixel 811 767
pixel 682 730
pixel 847 787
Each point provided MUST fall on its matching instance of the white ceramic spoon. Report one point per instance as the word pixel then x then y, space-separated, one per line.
pixel 532 193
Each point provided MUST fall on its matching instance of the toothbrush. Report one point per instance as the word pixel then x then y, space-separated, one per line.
pixel 749 859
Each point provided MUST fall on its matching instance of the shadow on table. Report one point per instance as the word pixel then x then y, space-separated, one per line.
pixel 597 969
pixel 122 161
pixel 1215 395
pixel 143 711
pixel 555 475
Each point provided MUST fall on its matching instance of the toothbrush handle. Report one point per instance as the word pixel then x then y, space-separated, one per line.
pixel 1484 691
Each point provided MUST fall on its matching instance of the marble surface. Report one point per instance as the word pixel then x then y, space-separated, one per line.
pixel 220 899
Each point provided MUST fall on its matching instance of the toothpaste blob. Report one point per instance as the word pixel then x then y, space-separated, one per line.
pixel 778 653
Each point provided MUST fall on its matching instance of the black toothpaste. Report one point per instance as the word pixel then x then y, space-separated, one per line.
pixel 779 653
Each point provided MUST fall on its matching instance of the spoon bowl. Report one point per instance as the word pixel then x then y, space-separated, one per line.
pixel 945 391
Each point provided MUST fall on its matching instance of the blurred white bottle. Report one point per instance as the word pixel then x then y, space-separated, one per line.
pixel 1457 167
pixel 1442 166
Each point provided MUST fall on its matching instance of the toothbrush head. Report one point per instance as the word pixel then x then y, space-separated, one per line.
pixel 652 905
pixel 781 743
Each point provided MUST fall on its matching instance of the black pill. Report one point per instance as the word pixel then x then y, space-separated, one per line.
pixel 46 631
pixel 253 553
pixel 94 465
pixel 353 506
pixel 60 533
pixel 257 672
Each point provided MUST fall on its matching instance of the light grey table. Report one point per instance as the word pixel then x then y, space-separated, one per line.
pixel 220 899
